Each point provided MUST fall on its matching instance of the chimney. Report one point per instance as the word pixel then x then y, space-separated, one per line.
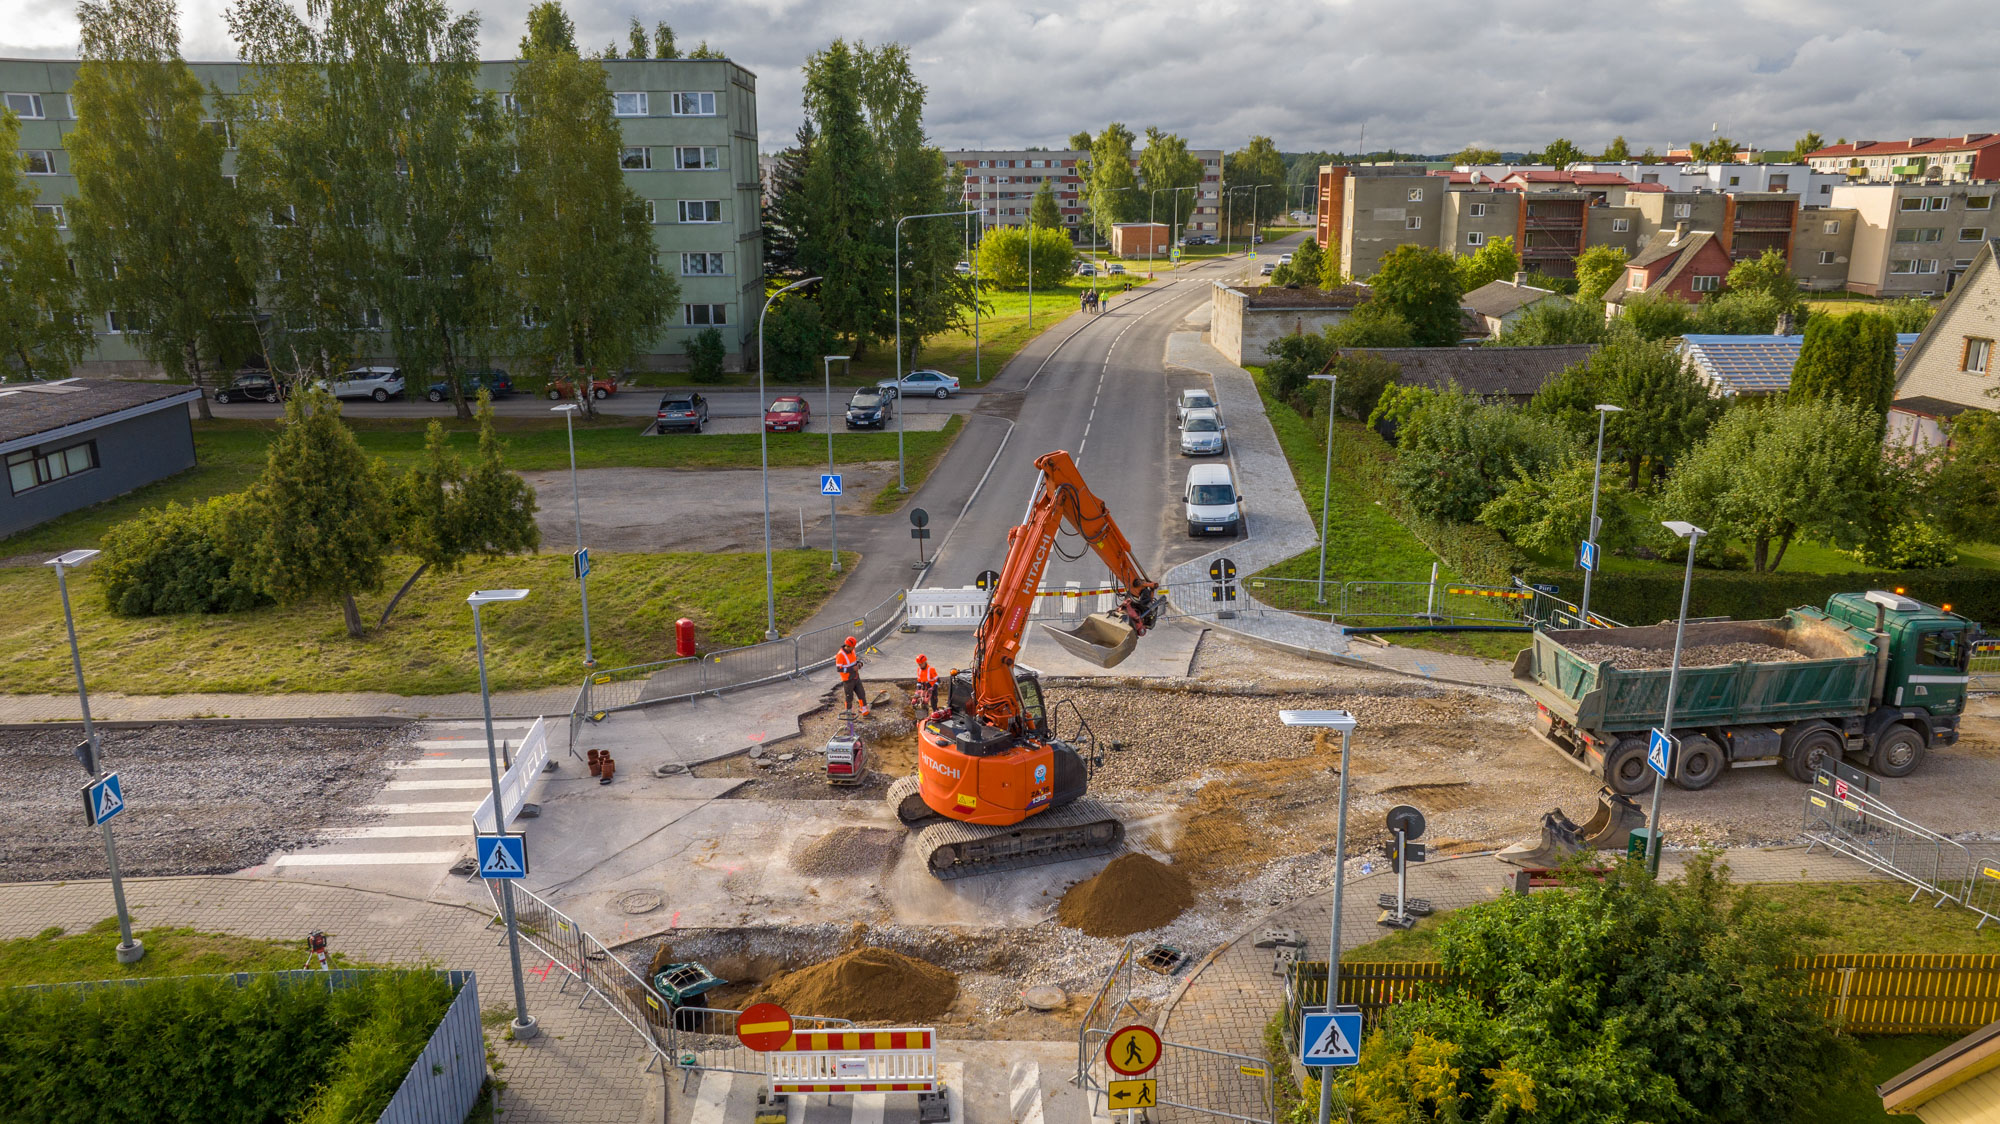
pixel 1680 233
pixel 1521 280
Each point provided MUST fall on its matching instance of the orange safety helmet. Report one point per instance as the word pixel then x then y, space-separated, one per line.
pixel 851 641
pixel 921 659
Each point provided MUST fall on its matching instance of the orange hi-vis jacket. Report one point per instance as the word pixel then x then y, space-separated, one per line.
pixel 927 675
pixel 844 662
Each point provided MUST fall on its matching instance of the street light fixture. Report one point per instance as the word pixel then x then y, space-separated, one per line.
pixel 1693 535
pixel 1343 722
pixel 568 411
pixel 1604 411
pixel 902 482
pixel 1326 482
pixel 129 950
pixel 832 502
pixel 524 1025
pixel 764 458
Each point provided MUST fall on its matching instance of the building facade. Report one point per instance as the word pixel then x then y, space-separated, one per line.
pixel 1952 364
pixel 1915 239
pixel 690 128
pixel 1002 185
pixel 1974 156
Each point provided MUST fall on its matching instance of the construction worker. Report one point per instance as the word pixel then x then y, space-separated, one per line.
pixel 927 681
pixel 848 663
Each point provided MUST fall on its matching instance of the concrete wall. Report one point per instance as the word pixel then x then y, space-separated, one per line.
pixel 1598 228
pixel 1874 208
pixel 130 454
pixel 1241 333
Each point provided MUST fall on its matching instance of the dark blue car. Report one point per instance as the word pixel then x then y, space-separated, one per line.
pixel 495 382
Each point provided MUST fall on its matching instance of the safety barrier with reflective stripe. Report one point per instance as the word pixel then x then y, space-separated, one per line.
pixel 898 1060
pixel 515 782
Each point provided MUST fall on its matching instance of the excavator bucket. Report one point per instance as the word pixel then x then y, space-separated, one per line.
pixel 1613 820
pixel 1102 639
pixel 1617 816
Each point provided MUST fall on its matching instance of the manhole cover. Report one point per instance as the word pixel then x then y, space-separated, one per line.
pixel 636 902
pixel 1044 998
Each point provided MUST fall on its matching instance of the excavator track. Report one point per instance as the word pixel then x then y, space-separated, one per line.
pixel 906 799
pixel 1077 830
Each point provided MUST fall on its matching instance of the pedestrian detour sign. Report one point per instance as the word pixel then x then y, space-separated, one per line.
pixel 1331 1037
pixel 1133 1093
pixel 1133 1050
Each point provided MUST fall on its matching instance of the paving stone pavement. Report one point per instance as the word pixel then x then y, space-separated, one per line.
pixel 110 706
pixel 586 1067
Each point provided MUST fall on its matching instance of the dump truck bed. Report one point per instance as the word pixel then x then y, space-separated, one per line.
pixel 1836 677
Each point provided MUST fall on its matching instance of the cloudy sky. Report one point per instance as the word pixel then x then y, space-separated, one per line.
pixel 1422 77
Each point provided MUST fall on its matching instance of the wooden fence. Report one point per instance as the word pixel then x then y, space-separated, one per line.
pixel 1864 992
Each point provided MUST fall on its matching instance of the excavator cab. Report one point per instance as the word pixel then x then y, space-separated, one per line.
pixel 1033 706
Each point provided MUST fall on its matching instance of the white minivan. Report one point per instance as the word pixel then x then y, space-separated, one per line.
pixel 1211 502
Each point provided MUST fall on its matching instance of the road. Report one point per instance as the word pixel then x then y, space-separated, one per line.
pixel 637 402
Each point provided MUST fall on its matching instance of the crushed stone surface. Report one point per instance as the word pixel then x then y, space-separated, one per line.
pixel 1692 655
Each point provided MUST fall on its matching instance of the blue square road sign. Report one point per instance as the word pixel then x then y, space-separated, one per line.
pixel 103 799
pixel 503 856
pixel 829 483
pixel 1331 1037
pixel 1660 753
pixel 1586 555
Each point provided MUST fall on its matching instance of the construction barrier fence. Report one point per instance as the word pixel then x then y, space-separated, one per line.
pixel 1843 818
pixel 1984 667
pixel 1194 1079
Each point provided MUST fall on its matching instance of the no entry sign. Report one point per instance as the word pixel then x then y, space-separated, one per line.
pixel 765 1026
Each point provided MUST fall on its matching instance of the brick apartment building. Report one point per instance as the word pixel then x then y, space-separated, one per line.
pixel 1003 185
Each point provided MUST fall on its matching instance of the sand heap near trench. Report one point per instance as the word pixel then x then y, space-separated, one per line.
pixel 1131 895
pixel 866 985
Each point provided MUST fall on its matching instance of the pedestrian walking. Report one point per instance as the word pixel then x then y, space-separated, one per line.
pixel 848 663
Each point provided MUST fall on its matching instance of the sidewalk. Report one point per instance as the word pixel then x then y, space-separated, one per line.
pixel 110 706
pixel 586 1067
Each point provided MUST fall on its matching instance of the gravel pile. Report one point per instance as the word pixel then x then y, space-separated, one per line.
pixel 1692 655
pixel 199 799
pixel 850 851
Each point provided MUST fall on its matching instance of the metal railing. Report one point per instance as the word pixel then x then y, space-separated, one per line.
pixel 1843 818
pixel 647 684
pixel 1983 670
pixel 1543 609
pixel 1359 604
pixel 1108 1009
pixel 1208 1081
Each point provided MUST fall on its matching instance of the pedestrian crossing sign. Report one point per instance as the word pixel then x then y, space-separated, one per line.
pixel 503 856
pixel 829 483
pixel 103 799
pixel 1332 1038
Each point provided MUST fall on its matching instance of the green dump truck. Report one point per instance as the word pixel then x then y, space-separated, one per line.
pixel 1877 677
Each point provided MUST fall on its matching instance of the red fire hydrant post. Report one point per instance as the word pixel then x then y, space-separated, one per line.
pixel 684 637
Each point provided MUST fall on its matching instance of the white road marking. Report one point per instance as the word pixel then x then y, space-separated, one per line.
pixel 400 858
pixel 1024 1101
pixel 394 831
pixel 413 786
pixel 711 1101
pixel 443 763
pixel 422 809
pixel 478 743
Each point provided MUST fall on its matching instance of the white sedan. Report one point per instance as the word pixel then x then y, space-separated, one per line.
pixel 379 383
pixel 920 382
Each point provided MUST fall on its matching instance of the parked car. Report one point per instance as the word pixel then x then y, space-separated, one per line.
pixel 1284 259
pixel 1198 240
pixel 493 381
pixel 601 386
pixel 870 408
pixel 1269 268
pixel 1210 502
pixel 922 381
pixel 963 269
pixel 251 386
pixel 1115 267
pixel 1194 399
pixel 678 410
pixel 379 383
pixel 787 415
pixel 1085 269
pixel 1201 433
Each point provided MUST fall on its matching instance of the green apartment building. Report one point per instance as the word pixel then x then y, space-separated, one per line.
pixel 690 130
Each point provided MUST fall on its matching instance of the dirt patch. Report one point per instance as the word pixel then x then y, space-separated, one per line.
pixel 850 851
pixel 866 985
pixel 1132 894
pixel 1693 655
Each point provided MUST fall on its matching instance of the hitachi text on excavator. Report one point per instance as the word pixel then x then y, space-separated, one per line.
pixel 995 788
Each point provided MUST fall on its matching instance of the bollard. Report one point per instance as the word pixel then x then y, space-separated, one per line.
pixel 683 637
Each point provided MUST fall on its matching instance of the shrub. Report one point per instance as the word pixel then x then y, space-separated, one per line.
pixel 1003 257
pixel 705 353
pixel 179 560
pixel 1907 546
pixel 1644 598
pixel 795 337
pixel 1457 454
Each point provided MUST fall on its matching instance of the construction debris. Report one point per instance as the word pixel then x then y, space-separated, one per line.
pixel 866 985
pixel 1693 655
pixel 847 851
pixel 1133 893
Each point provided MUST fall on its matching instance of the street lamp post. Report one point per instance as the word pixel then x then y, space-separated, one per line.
pixel 1326 481
pixel 1344 722
pixel 764 459
pixel 1693 535
pixel 568 411
pixel 832 502
pixel 1175 220
pixel 896 262
pixel 129 950
pixel 1604 411
pixel 524 1025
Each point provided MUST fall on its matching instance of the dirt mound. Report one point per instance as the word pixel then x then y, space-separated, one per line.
pixel 850 851
pixel 1134 893
pixel 866 985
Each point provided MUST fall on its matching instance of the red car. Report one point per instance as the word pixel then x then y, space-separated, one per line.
pixel 787 415
pixel 601 387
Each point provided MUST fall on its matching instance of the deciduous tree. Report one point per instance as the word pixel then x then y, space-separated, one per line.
pixel 1596 268
pixel 1003 257
pixel 1617 152
pixel 1494 261
pixel 1473 154
pixel 636 45
pixel 1561 153
pixel 1043 212
pixel 44 329
pixel 1554 321
pixel 1259 169
pixel 1768 273
pixel 1110 187
pixel 1421 285
pixel 848 200
pixel 1667 408
pixel 1169 169
pixel 663 42
pixel 1806 145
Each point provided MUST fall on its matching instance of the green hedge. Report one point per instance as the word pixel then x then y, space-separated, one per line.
pixel 1649 598
pixel 202 1049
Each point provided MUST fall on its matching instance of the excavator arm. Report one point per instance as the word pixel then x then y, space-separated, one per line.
pixel 1061 497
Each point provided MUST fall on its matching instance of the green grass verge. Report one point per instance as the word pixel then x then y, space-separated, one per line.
pixel 1888 1055
pixel 918 469
pixel 426 648
pixel 55 956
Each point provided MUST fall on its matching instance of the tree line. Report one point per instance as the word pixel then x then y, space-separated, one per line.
pixel 378 190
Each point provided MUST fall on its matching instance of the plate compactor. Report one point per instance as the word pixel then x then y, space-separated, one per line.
pixel 1616 817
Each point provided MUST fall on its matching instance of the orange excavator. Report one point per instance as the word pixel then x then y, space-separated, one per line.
pixel 995 788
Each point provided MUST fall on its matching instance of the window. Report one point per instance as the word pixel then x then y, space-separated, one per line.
pixel 1649 177
pixel 652 211
pixel 1684 210
pixel 630 105
pixel 636 159
pixel 1707 282
pixel 1920 234
pixel 1826 257
pixel 694 104
pixel 1940 202
pixel 1978 202
pixel 1414 222
pixel 28 107
pixel 1971 233
pixel 1914 203
pixel 1735 180
pixel 220 129
pixel 1780 183
pixel 1940 649
pixel 701 265
pixel 699 314
pixel 371 319
pixel 1478 210
pixel 39 162
pixel 1902 267
pixel 1416 195
pixel 1475 238
pixel 701 210
pixel 32 468
pixel 1832 226
pixel 1620 226
pixel 118 323
pixel 1978 355
pixel 284 216
pixel 1637 280
pixel 1927 265
pixel 52 212
pixel 510 104
pixel 697 158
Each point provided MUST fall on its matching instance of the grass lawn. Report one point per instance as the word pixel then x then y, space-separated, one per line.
pixel 426 648
pixel 231 455
pixel 54 956
pixel 1888 1055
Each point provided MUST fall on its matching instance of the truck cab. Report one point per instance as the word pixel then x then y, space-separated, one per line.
pixel 1928 649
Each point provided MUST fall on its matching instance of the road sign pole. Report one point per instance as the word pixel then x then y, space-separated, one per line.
pixel 129 951
pixel 1333 938
pixel 1596 475
pixel 1667 721
pixel 524 1025
pixel 1402 874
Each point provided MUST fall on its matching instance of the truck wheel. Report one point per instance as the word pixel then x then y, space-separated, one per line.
pixel 1625 768
pixel 1899 751
pixel 1700 763
pixel 1811 750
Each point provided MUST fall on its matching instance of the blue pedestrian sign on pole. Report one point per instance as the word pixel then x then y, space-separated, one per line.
pixel 581 562
pixel 1331 1037
pixel 829 483
pixel 1660 753
pixel 503 856
pixel 1586 555
pixel 102 799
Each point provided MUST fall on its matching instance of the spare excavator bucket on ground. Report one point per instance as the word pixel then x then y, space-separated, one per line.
pixel 1607 829
pixel 1102 639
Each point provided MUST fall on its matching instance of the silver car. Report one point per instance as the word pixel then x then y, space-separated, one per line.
pixel 1201 434
pixel 1193 399
pixel 379 383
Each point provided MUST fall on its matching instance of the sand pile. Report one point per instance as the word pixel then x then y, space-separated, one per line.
pixel 1134 893
pixel 1692 655
pixel 864 851
pixel 866 985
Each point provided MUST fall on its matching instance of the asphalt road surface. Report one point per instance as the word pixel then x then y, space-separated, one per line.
pixel 637 402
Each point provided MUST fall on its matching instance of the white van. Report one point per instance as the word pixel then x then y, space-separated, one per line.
pixel 1212 504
